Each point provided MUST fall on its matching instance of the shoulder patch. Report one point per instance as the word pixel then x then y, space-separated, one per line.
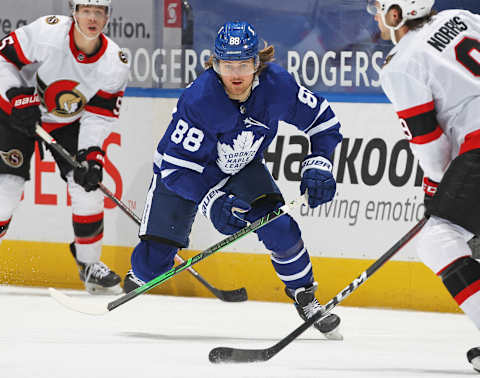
pixel 52 20
pixel 12 158
pixel 388 59
pixel 123 57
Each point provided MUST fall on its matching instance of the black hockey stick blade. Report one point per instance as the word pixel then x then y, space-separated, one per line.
pixel 235 295
pixel 226 354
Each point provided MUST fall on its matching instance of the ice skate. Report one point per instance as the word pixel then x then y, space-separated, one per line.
pixel 131 282
pixel 97 277
pixel 307 305
pixel 473 356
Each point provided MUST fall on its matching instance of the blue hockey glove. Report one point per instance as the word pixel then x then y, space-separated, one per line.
pixel 317 180
pixel 224 211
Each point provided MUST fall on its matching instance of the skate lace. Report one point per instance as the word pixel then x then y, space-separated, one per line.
pixel 135 279
pixel 97 270
pixel 312 308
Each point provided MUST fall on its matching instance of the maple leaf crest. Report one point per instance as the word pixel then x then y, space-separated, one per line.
pixel 232 158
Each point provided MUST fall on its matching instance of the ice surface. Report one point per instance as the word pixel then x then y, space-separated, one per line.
pixel 160 336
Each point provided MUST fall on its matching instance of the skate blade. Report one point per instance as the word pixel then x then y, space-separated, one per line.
pixel 334 335
pixel 95 289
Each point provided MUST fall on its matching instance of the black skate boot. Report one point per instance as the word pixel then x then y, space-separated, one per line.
pixel 131 282
pixel 473 356
pixel 97 277
pixel 307 305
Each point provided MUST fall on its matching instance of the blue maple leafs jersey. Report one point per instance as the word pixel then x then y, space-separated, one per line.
pixel 212 137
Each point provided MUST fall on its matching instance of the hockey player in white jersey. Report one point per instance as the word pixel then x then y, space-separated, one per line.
pixel 432 78
pixel 75 93
pixel 210 159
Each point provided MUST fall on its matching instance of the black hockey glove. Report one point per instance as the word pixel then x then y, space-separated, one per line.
pixel 25 112
pixel 429 188
pixel 91 172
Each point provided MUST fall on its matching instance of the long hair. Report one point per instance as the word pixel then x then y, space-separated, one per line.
pixel 420 22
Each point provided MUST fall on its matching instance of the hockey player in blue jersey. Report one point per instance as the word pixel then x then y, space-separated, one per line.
pixel 210 159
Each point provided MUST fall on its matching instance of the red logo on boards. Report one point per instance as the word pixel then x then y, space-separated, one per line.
pixel 172 12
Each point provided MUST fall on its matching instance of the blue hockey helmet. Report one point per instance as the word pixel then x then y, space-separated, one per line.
pixel 236 41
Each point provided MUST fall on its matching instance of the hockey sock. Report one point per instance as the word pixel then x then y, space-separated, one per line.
pixel 151 258
pixel 293 267
pixel 88 230
pixel 462 279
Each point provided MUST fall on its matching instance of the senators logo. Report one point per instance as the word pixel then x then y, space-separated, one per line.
pixel 52 20
pixel 62 99
pixel 12 158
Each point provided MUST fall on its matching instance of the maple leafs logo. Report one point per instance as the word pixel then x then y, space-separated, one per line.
pixel 231 159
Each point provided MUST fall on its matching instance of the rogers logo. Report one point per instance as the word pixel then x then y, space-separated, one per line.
pixel 172 13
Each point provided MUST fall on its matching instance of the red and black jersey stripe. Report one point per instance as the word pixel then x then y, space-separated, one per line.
pixel 106 104
pixel 422 123
pixel 11 50
pixel 472 142
pixel 462 278
pixel 88 229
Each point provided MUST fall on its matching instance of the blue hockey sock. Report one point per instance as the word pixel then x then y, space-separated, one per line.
pixel 293 266
pixel 151 258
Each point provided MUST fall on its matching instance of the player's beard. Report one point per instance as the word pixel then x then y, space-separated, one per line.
pixel 238 88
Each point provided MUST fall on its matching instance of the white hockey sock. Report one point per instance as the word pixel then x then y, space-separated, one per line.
pixel 471 307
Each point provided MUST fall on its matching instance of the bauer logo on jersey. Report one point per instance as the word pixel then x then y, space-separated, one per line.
pixel 52 20
pixel 12 158
pixel 62 99
pixel 231 159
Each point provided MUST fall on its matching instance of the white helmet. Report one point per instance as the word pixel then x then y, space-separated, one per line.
pixel 100 3
pixel 411 10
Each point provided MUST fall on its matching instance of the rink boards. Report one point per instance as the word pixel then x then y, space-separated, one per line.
pixel 399 284
pixel 379 198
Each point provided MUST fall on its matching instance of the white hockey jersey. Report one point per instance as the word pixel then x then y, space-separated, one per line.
pixel 432 78
pixel 72 86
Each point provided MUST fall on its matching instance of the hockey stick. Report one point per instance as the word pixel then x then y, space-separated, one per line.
pixel 236 295
pixel 100 309
pixel 225 354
